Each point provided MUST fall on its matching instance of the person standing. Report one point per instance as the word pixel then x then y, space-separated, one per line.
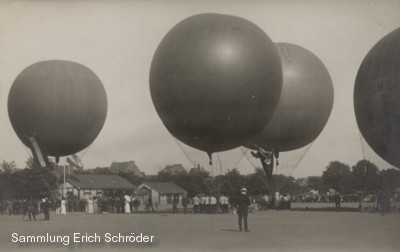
pixel 63 206
pixel 337 199
pixel 196 204
pixel 185 202
pixel 203 204
pixel 213 204
pixel 224 204
pixel 31 205
pixel 118 204
pixel 127 203
pixel 24 208
pixel 243 203
pixel 150 204
pixel 384 202
pixel 58 206
pixel 46 209
pixel 175 202
pixel 90 205
pixel 95 204
pixel 207 204
pixel 136 204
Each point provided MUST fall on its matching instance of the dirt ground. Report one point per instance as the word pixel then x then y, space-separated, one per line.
pixel 289 230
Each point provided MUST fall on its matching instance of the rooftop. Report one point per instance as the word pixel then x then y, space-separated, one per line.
pixel 164 187
pixel 99 182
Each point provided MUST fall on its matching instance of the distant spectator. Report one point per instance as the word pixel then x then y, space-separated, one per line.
pixel 175 202
pixel 384 202
pixel 337 199
pixel 196 204
pixel 46 208
pixel 32 209
pixel 150 204
pixel 185 202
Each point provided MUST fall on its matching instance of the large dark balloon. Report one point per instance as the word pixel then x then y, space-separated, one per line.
pixel 62 103
pixel 215 80
pixel 377 98
pixel 305 104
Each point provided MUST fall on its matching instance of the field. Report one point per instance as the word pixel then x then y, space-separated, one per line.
pixel 315 229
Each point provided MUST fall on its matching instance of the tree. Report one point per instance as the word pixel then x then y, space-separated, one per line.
pixel 337 176
pixel 200 171
pixel 365 173
pixel 7 170
pixel 35 181
pixel 99 171
pixel 231 183
pixel 8 167
pixel 257 184
pixel 390 179
pixel 288 185
pixel 316 183
pixel 197 181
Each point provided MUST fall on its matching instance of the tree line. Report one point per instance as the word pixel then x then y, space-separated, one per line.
pixel 365 176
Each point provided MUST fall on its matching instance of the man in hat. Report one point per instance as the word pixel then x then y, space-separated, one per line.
pixel 243 203
pixel 46 208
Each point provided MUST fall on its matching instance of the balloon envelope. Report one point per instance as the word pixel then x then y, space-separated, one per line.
pixel 215 80
pixel 305 104
pixel 377 98
pixel 62 103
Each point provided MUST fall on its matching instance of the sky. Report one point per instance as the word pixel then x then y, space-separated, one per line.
pixel 117 40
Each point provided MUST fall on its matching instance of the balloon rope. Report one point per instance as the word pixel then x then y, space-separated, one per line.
pixel 362 142
pixel 28 151
pixel 286 53
pixel 211 168
pixel 206 184
pixel 222 185
pixel 220 164
pixel 184 153
pixel 84 152
pixel 293 165
pixel 265 182
pixel 188 158
pixel 244 155
pixel 276 175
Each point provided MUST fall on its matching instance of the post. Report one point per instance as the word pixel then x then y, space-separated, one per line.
pixel 364 185
pixel 64 180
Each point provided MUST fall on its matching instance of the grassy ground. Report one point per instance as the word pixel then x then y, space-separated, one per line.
pixel 269 230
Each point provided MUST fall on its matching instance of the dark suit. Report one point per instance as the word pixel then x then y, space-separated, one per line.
pixel 46 209
pixel 243 203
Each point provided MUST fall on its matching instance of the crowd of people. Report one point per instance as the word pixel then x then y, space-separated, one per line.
pixel 27 207
pixel 103 204
pixel 211 204
pixel 199 204
pixel 275 201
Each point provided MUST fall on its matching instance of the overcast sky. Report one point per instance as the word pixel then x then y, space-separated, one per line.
pixel 117 40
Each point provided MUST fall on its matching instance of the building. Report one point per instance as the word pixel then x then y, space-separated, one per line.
pixel 162 193
pixel 92 185
pixel 125 167
pixel 174 169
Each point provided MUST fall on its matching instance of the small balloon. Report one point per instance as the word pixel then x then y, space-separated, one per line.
pixel 62 104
